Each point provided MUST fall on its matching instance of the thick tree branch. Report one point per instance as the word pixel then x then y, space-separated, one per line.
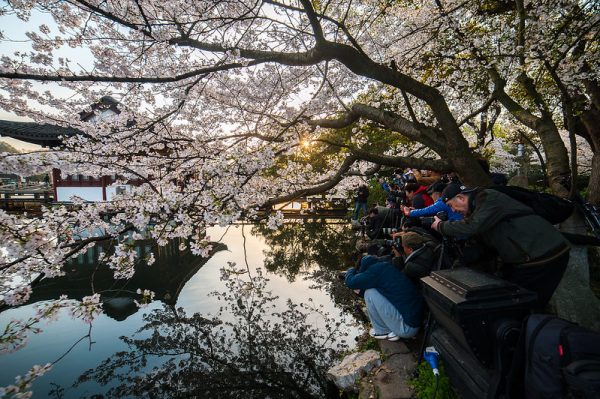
pixel 479 110
pixel 431 137
pixel 332 182
pixel 114 18
pixel 337 23
pixel 310 57
pixel 517 110
pixel 125 79
pixel 409 107
pixel 345 120
pixel 314 21
pixel 369 172
pixel 403 162
pixel 393 160
pixel 536 149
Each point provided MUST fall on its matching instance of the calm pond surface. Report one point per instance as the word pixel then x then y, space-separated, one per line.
pixel 267 330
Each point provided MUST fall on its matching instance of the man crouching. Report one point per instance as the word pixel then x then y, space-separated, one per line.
pixel 394 305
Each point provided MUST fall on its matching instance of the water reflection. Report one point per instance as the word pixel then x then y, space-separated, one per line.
pixel 254 339
pixel 259 350
pixel 85 276
pixel 297 247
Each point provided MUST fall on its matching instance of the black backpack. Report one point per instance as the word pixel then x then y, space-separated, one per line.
pixel 561 357
pixel 552 208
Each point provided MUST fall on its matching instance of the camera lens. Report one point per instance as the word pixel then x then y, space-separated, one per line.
pixel 442 215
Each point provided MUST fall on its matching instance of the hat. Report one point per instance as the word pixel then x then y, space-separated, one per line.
pixel 412 240
pixel 372 249
pixel 453 189
pixel 436 187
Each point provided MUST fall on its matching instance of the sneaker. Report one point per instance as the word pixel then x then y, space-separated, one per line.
pixel 393 337
pixel 377 335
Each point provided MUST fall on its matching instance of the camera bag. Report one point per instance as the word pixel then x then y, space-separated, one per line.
pixel 552 208
pixel 560 357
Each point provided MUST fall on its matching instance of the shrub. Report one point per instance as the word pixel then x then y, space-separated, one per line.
pixel 424 384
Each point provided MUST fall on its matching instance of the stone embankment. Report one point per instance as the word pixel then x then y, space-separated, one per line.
pixel 382 375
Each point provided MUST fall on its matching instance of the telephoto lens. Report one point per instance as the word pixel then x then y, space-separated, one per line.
pixel 442 215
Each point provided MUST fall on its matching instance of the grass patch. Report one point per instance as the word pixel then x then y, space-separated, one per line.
pixel 424 383
pixel 366 342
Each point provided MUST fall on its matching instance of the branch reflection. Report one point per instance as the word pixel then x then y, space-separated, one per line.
pixel 296 247
pixel 250 349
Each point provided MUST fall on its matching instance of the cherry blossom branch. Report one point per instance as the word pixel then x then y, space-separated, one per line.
pixel 332 182
pixel 337 23
pixel 314 22
pixel 479 110
pixel 127 79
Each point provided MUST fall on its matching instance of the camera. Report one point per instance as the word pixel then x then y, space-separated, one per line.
pixel 396 243
pixel 428 221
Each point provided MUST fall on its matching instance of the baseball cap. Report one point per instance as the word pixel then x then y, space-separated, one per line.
pixel 453 189
pixel 436 187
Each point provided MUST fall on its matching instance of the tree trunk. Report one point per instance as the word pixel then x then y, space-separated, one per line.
pixel 593 194
pixel 468 169
pixel 591 121
pixel 557 158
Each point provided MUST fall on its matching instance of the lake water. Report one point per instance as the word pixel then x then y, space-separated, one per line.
pixel 268 330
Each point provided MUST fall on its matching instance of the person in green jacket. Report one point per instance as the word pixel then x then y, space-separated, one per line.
pixel 534 254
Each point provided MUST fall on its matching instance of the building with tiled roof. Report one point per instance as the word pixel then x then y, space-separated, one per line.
pixel 44 134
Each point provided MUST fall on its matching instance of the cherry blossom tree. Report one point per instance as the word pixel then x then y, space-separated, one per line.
pixel 232 105
pixel 533 62
pixel 218 101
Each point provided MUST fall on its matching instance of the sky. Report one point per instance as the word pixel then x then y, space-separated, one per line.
pixel 14 39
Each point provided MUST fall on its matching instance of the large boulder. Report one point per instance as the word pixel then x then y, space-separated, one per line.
pixel 574 299
pixel 352 368
pixel 519 181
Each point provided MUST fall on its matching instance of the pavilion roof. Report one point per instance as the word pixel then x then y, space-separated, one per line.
pixel 44 134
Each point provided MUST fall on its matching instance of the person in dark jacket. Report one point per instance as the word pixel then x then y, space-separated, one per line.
pixel 394 305
pixel 420 257
pixel 533 252
pixel 360 201
pixel 380 222
pixel 417 195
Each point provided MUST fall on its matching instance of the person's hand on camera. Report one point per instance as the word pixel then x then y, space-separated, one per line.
pixel 397 235
pixel 436 223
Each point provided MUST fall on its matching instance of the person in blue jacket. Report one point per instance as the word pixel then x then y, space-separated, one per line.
pixel 435 190
pixel 394 305
pixel 369 259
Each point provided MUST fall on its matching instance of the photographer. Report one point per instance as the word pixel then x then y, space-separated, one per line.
pixel 360 201
pixel 420 257
pixel 417 195
pixel 435 190
pixel 369 259
pixel 533 252
pixel 380 222
pixel 394 305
